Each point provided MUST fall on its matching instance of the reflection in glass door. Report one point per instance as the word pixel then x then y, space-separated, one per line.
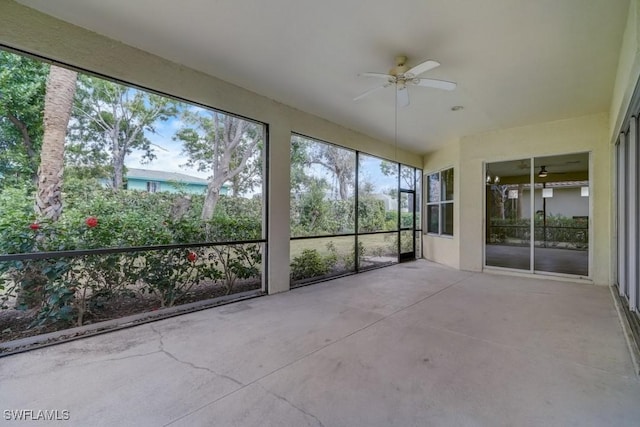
pixel 561 223
pixel 537 214
pixel 508 229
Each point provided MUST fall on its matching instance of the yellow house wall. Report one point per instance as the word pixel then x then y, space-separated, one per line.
pixel 595 134
pixel 468 156
pixel 582 134
pixel 628 69
pixel 627 77
pixel 443 249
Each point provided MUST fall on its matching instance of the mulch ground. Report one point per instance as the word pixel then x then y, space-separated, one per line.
pixel 15 324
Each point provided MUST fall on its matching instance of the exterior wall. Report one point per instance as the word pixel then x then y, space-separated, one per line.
pixel 28 30
pixel 582 134
pixel 627 78
pixel 590 133
pixel 628 70
pixel 443 249
pixel 141 184
pixel 565 201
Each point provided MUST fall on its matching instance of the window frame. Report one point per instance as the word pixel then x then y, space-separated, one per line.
pixel 188 100
pixel 440 203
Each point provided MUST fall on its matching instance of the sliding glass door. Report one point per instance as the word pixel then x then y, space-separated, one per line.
pixel 562 214
pixel 508 229
pixel 537 216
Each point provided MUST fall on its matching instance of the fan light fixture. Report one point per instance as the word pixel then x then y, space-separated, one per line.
pixel 401 76
pixel 494 180
pixel 543 172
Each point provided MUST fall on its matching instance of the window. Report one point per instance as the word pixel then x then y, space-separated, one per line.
pixel 153 187
pixel 440 203
pixel 120 231
pixel 349 211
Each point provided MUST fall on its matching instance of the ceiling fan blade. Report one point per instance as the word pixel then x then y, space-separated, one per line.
pixel 370 91
pixel 422 68
pixel 438 84
pixel 402 96
pixel 377 75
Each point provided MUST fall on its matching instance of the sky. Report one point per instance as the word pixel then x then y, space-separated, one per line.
pixel 169 156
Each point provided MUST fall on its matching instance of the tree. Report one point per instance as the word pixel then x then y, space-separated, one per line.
pixel 407 178
pixel 61 87
pixel 338 161
pixel 22 88
pixel 499 194
pixel 250 176
pixel 111 121
pixel 299 160
pixel 220 144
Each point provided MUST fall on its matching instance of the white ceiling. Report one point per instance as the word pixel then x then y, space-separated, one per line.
pixel 516 62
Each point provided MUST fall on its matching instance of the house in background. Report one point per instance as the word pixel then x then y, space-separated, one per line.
pixel 154 181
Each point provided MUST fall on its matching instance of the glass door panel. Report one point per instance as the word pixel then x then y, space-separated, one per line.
pixel 562 214
pixel 508 207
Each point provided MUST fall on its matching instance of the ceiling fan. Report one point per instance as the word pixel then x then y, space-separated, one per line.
pixel 402 76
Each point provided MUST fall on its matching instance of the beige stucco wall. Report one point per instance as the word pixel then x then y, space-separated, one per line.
pixel 627 77
pixel 25 29
pixel 443 249
pixel 628 70
pixel 595 134
pixel 582 134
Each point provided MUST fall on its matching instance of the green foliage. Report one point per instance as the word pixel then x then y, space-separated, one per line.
pixel 112 120
pixel 372 215
pixel 170 274
pixel 57 305
pixel 64 290
pixel 310 263
pixel 237 261
pixel 228 147
pixel 22 88
pixel 406 219
pixel 556 231
pixel 312 214
pixel 349 260
pixel 109 122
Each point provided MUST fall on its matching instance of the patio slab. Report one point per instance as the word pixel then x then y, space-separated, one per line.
pixel 414 344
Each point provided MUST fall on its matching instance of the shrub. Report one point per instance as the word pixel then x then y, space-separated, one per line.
pixel 65 289
pixel 371 214
pixel 310 263
pixel 349 260
pixel 171 274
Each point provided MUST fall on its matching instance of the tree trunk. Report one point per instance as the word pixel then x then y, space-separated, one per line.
pixel 210 202
pixel 58 101
pixel 27 143
pixel 118 172
pixel 342 182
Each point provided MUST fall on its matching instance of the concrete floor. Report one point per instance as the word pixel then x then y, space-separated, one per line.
pixel 415 344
